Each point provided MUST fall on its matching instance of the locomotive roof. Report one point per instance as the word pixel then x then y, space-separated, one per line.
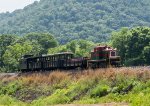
pixel 100 46
pixel 110 49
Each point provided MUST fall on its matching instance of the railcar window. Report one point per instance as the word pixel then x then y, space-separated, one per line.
pixel 63 56
pixel 67 56
pixel 60 56
pixel 70 56
pixel 55 58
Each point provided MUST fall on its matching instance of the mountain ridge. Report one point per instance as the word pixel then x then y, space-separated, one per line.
pixel 76 19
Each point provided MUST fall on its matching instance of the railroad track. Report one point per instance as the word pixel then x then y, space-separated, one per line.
pixel 8 75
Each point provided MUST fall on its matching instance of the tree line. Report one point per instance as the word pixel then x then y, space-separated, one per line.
pixel 133 46
pixel 13 47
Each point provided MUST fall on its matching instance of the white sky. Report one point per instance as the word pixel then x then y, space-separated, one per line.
pixel 11 5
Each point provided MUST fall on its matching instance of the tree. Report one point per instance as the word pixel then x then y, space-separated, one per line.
pixel 78 47
pixel 57 49
pixel 133 45
pixel 45 41
pixel 5 41
pixel 13 55
pixel 119 40
pixel 146 54
pixel 36 47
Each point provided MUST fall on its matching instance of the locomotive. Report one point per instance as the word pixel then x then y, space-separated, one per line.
pixel 101 56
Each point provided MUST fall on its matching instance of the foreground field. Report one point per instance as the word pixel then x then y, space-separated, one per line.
pixel 129 86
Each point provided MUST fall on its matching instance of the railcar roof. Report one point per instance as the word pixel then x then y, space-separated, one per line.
pixel 63 53
pixel 47 55
pixel 56 54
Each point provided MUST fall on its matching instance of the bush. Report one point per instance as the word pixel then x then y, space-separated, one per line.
pixel 10 88
pixel 8 101
pixel 100 90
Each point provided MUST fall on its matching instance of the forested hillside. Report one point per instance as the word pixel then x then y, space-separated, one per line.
pixel 72 19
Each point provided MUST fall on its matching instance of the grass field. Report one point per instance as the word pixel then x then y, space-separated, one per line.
pixel 113 85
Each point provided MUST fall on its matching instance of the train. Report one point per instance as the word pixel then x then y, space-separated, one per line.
pixel 100 57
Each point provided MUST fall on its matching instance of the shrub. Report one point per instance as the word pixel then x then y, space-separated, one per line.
pixel 100 90
pixel 10 88
pixel 8 101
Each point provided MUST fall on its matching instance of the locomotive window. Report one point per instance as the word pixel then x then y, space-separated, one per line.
pixel 113 53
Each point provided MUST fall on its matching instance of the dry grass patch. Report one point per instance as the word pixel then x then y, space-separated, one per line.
pixel 48 78
pixel 54 77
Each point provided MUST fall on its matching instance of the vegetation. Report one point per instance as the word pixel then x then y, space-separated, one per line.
pixel 133 45
pixel 84 23
pixel 75 24
pixel 13 47
pixel 79 47
pixel 67 20
pixel 129 85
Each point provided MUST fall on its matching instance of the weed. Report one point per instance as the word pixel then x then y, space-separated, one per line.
pixel 129 85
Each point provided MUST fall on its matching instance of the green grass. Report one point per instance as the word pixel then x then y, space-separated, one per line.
pixel 89 87
pixel 6 100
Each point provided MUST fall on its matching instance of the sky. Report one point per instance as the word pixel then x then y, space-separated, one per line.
pixel 11 5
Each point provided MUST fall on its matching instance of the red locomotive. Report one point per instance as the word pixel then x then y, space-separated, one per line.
pixel 104 56
pixel 101 56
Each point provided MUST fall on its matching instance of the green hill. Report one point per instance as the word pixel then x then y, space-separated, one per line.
pixel 73 19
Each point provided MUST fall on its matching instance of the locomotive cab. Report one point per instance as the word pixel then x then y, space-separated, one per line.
pixel 103 56
pixel 113 59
